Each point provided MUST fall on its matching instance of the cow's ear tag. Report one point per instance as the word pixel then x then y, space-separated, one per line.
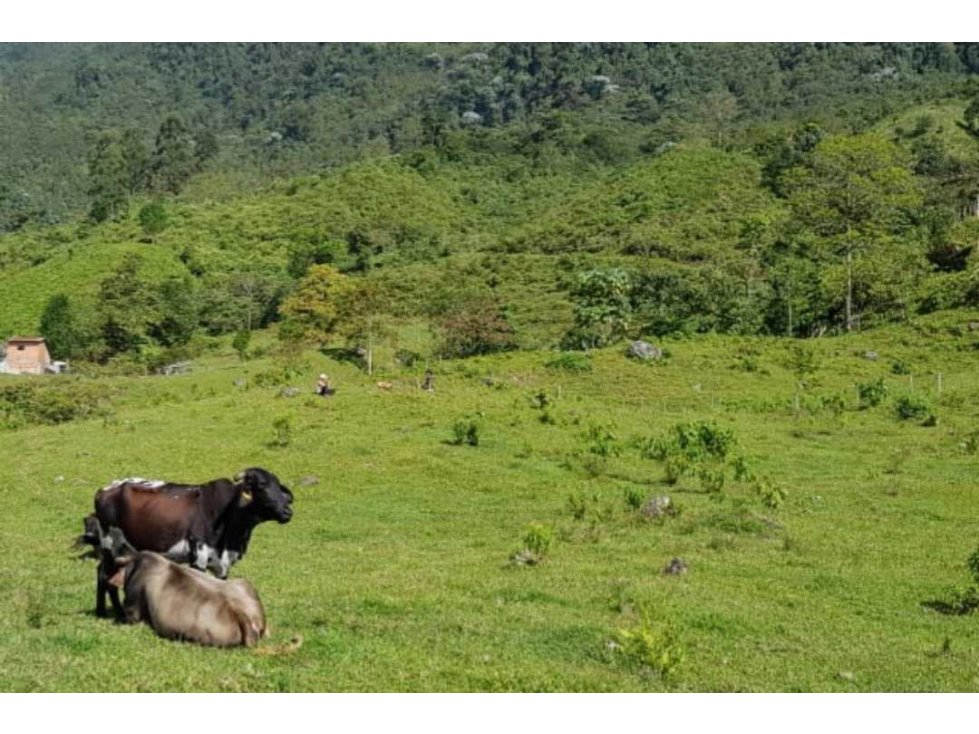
pixel 246 497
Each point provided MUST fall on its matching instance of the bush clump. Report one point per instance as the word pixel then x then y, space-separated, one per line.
pixel 914 407
pixel 655 648
pixel 465 432
pixel 537 542
pixel 571 362
pixel 872 393
pixel 56 401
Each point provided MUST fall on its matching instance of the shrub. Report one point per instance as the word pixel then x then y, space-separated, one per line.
pixel 747 360
pixel 283 432
pixel 58 400
pixel 912 407
pixel 538 538
pixel 771 495
pixel 465 432
pixel 872 393
pixel 970 443
pixel 480 326
pixel 602 441
pixel 655 648
pixel 742 470
pixel 578 505
pixel 406 357
pixel 634 498
pixel 240 343
pixel 571 362
pixel 536 545
pixel 899 367
pixel 676 466
pixel 712 480
pixel 803 361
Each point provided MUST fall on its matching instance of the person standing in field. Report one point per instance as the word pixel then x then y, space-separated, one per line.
pixel 323 386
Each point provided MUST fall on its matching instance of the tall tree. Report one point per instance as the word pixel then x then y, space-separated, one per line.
pixel 855 194
pixel 108 177
pixel 314 309
pixel 60 329
pixel 173 157
pixel 179 312
pixel 602 309
pixel 363 316
pixel 136 160
pixel 126 306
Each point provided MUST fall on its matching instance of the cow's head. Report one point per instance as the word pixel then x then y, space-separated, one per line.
pixel 262 491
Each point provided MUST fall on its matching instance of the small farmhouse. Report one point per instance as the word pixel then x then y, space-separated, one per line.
pixel 27 355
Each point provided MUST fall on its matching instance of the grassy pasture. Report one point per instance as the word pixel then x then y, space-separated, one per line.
pixel 395 570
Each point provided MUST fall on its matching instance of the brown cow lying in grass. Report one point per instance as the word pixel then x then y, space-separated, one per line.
pixel 186 604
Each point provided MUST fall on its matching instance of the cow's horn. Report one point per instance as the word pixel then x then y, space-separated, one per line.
pixel 240 476
pixel 246 497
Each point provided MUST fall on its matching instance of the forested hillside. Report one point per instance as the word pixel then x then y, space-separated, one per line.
pixel 499 196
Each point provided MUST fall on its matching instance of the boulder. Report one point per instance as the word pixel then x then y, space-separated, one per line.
pixel 643 351
pixel 657 507
pixel 675 567
pixel 309 480
pixel 289 392
pixel 871 355
pixel 974 326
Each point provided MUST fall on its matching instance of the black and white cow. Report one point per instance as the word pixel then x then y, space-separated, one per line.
pixel 206 525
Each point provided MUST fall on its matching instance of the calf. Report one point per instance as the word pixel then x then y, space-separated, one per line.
pixel 183 603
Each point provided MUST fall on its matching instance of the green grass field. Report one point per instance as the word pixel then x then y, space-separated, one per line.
pixel 396 570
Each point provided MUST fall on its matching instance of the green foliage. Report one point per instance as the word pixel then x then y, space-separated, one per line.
pixel 578 506
pixel 240 343
pixel 153 218
pixel 912 406
pixel 970 444
pixel 574 362
pixel 283 428
pixel 537 541
pixel 601 441
pixel 315 306
pixel 770 494
pixel 601 309
pixel 899 367
pixel 64 335
pixel 654 647
pixel 407 357
pixel 634 498
pixel 803 361
pixel 872 393
pixel 480 326
pixel 712 479
pixel 173 160
pixel 59 401
pixel 856 193
pixel 465 432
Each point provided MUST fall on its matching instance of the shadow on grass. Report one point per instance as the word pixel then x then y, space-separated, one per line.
pixel 953 607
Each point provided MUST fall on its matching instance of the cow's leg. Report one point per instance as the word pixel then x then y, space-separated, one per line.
pixel 116 604
pixel 101 588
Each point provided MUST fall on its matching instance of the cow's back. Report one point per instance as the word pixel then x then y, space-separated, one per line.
pixel 154 516
pixel 185 604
